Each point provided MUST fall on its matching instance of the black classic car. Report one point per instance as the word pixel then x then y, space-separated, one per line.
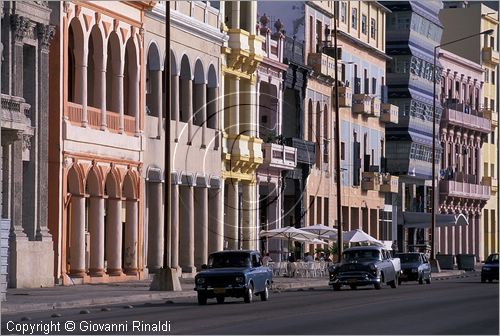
pixel 415 267
pixel 490 268
pixel 365 265
pixel 233 274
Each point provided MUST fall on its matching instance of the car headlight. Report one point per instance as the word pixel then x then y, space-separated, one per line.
pixel 373 267
pixel 240 279
pixel 414 270
pixel 486 268
pixel 200 281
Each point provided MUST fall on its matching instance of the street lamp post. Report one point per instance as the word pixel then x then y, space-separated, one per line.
pixel 434 191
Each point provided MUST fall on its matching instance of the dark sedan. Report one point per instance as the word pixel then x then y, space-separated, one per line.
pixel 490 268
pixel 415 267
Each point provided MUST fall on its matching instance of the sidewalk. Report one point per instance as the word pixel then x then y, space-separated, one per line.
pixel 58 297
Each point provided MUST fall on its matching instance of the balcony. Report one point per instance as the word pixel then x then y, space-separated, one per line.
pixel 94 117
pixel 15 112
pixel 279 156
pixel 492 182
pixel 345 96
pixel 389 113
pixel 389 183
pixel 491 115
pixel 362 103
pixel 370 181
pixel 306 150
pixel 375 108
pixel 490 55
pixel 464 190
pixel 461 115
pixel 322 64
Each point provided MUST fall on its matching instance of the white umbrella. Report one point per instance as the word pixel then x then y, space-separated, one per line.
pixel 322 231
pixel 312 241
pixel 287 233
pixel 358 236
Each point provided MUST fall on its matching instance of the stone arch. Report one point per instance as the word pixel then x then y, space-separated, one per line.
pixel 185 89
pixel 76 58
pixel 113 184
pixel 199 94
pixel 129 190
pixel 199 72
pixel 95 64
pixel 93 185
pixel 114 70
pixel 131 79
pixel 154 83
pixel 75 180
pixel 212 97
pixel 212 80
pixel 174 66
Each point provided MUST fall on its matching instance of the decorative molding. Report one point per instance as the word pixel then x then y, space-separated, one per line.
pixel 197 28
pixel 20 25
pixel 45 35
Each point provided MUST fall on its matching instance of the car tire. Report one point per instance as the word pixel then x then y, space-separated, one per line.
pixel 393 283
pixel 399 281
pixel 353 287
pixel 377 286
pixel 202 299
pixel 248 298
pixel 336 287
pixel 490 280
pixel 428 280
pixel 264 296
pixel 483 280
pixel 420 280
pixel 220 299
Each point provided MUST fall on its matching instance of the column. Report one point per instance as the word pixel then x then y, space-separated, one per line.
pixel 155 227
pixel 232 212
pixel 101 86
pixel 186 257
pixel 248 224
pixel 216 219
pixel 134 99
pixel 257 102
pixel 158 104
pixel 174 105
pixel 187 105
pixel 201 228
pixel 15 138
pixel 174 253
pixel 234 102
pixel 131 230
pixel 19 23
pixel 114 236
pixel 235 15
pixel 119 98
pixel 81 85
pixel 77 238
pixel 96 229
pixel 480 237
pixel 6 179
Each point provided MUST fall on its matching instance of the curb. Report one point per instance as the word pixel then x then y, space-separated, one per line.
pixel 100 301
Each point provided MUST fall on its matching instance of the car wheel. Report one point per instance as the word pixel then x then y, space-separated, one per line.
pixel 490 280
pixel 202 299
pixel 220 299
pixel 420 280
pixel 393 283
pixel 353 287
pixel 377 286
pixel 428 280
pixel 264 296
pixel 399 281
pixel 248 294
pixel 336 287
pixel 483 280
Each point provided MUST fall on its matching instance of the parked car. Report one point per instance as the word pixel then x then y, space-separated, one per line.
pixel 233 274
pixel 415 267
pixel 490 268
pixel 365 265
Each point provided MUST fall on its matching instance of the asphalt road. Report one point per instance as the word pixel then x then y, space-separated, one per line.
pixel 454 306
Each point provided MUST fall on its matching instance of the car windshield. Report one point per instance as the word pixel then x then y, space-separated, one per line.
pixel 220 260
pixel 492 259
pixel 361 254
pixel 409 258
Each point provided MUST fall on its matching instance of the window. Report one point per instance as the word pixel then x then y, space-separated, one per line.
pixel 492 104
pixel 493 137
pixel 492 42
pixel 487 76
pixel 374 85
pixel 342 150
pixel 493 77
pixel 354 18
pixel 372 28
pixel 363 24
pixel 343 12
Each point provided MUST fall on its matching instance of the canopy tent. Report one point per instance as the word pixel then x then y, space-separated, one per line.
pixel 359 236
pixel 423 220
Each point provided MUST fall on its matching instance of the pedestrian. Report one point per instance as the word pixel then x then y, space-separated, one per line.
pixel 266 259
pixel 308 257
pixel 394 247
pixel 290 266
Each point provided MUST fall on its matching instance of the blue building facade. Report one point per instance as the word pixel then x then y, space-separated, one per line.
pixel 413 30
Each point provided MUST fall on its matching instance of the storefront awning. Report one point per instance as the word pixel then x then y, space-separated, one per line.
pixel 423 220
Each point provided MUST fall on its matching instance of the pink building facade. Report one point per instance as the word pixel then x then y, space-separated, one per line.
pixel 463 130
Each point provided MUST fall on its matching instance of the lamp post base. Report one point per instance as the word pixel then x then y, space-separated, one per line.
pixel 435 266
pixel 166 280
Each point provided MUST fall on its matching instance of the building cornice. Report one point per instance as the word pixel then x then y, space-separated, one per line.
pixel 197 28
pixel 364 45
